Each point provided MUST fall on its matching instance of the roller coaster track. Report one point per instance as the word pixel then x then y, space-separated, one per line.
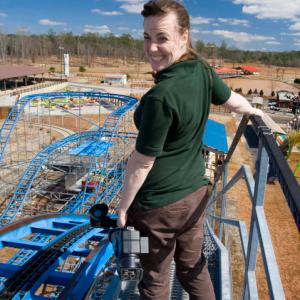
pixel 111 126
pixel 17 110
pixel 109 129
pixel 20 195
pixel 17 201
pixel 45 265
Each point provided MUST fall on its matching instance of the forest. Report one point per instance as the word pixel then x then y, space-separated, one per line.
pixel 24 48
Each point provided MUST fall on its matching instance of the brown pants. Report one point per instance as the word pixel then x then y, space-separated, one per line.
pixel 174 231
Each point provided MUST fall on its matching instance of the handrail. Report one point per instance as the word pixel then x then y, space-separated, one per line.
pixel 287 180
pixel 268 152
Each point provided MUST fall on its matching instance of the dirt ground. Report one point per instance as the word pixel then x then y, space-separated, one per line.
pixel 283 231
pixel 266 85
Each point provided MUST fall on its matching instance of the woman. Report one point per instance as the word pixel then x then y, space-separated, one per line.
pixel 165 173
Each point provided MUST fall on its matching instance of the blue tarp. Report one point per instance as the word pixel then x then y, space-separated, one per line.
pixel 215 136
pixel 91 148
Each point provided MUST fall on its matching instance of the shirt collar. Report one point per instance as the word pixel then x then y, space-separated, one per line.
pixel 174 70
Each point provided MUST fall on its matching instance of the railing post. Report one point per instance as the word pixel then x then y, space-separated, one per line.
pixel 262 166
pixel 223 203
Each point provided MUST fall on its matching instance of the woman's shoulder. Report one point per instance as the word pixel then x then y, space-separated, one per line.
pixel 157 92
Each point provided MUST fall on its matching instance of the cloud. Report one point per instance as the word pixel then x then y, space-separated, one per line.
pixel 293 34
pixel 194 30
pixel 205 31
pixel 132 6
pixel 2 14
pixel 47 22
pixel 233 22
pixel 297 42
pixel 295 26
pixel 271 9
pixel 97 29
pixel 106 13
pixel 22 30
pixel 123 28
pixel 200 20
pixel 242 37
pixel 273 43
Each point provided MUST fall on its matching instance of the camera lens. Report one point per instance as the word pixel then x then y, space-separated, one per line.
pixel 98 211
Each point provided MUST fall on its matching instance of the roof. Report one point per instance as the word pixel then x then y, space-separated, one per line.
pixel 7 72
pixel 250 69
pixel 258 100
pixel 215 136
pixel 226 70
pixel 91 148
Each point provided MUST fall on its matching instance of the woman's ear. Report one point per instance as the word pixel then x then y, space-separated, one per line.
pixel 185 37
pixel 184 40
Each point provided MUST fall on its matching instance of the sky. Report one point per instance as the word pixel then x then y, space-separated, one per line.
pixel 266 25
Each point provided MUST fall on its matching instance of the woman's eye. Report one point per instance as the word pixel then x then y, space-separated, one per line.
pixel 146 38
pixel 162 39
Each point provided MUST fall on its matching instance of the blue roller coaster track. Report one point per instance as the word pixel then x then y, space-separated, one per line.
pixel 109 130
pixel 17 110
pixel 68 234
pixel 19 197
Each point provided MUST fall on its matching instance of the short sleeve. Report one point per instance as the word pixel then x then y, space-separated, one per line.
pixel 155 122
pixel 220 91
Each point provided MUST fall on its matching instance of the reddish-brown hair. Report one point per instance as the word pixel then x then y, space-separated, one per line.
pixel 162 7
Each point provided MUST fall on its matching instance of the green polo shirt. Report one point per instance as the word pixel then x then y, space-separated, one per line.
pixel 171 118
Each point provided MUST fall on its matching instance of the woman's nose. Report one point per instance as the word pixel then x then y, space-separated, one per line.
pixel 152 47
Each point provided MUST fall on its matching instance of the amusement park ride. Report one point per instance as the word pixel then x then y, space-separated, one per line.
pixel 56 242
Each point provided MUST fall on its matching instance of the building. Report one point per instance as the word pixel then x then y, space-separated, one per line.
pixel 119 79
pixel 227 72
pixel 248 70
pixel 257 102
pixel 284 95
pixel 14 76
pixel 285 99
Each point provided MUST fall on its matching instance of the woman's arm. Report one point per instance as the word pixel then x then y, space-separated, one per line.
pixel 240 104
pixel 138 167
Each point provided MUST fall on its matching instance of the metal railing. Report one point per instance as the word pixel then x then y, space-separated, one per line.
pixel 259 235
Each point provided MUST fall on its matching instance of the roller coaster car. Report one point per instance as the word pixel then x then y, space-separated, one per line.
pixel 90 185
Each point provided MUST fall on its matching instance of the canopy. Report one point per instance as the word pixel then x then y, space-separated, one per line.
pixel 215 136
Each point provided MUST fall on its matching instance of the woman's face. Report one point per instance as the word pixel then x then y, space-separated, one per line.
pixel 163 44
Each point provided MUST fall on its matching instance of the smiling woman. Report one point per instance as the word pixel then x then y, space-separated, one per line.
pixel 165 188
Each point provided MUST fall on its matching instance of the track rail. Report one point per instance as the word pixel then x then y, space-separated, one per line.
pixel 18 109
pixel 25 278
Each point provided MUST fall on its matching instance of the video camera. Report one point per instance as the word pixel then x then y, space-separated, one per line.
pixel 127 242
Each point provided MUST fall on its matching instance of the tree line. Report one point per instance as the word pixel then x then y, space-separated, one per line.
pixel 22 48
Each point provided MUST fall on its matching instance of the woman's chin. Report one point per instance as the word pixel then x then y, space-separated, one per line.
pixel 157 68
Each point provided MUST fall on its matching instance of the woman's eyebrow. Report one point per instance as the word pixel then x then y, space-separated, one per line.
pixel 161 33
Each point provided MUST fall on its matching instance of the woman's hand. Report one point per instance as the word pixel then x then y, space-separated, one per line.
pixel 122 218
pixel 239 104
pixel 257 112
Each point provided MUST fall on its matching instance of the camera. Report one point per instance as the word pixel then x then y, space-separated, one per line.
pixel 127 242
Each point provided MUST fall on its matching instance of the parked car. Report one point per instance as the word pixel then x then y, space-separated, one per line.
pixel 273 107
